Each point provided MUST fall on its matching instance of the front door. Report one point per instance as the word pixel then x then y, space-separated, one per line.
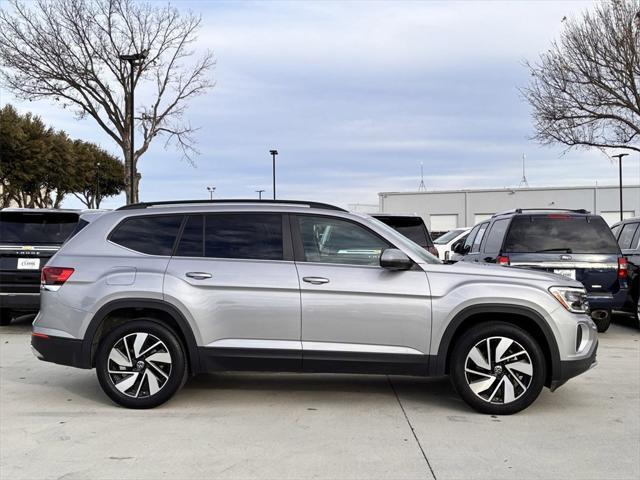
pixel 356 315
pixel 234 273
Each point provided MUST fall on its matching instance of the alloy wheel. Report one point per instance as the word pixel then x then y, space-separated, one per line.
pixel 139 365
pixel 498 370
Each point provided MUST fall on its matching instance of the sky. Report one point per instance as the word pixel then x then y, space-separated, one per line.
pixel 355 96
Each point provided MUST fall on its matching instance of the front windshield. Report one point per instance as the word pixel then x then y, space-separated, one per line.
pixel 447 237
pixel 416 249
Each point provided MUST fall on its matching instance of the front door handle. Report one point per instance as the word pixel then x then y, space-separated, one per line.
pixel 315 280
pixel 198 275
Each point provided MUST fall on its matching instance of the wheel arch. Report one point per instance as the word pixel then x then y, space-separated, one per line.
pixel 521 316
pixel 126 309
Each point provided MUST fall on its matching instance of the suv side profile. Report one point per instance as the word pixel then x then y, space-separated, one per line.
pixel 628 235
pixel 572 243
pixel 172 290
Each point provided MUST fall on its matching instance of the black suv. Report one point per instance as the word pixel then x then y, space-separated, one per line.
pixel 28 238
pixel 412 227
pixel 572 243
pixel 628 235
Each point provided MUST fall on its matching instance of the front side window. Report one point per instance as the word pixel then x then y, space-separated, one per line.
pixel 332 240
pixel 471 237
pixel 626 236
pixel 153 235
pixel 478 240
pixel 250 236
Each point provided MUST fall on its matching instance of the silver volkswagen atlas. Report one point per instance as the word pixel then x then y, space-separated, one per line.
pixel 155 292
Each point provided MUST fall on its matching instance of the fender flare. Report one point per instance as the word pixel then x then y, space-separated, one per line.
pixel 104 311
pixel 438 366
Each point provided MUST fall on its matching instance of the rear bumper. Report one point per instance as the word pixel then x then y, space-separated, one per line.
pixel 20 301
pixel 607 301
pixel 572 368
pixel 64 351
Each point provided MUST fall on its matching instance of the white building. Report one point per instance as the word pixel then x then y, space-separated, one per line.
pixel 447 209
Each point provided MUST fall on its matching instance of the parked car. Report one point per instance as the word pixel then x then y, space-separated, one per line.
pixel 28 238
pixel 412 227
pixel 628 235
pixel 445 242
pixel 174 289
pixel 572 243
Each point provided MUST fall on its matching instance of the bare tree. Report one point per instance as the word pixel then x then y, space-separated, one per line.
pixel 69 50
pixel 585 90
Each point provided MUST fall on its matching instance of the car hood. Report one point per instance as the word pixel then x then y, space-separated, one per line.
pixel 519 273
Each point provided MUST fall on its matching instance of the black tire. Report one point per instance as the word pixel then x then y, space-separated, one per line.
pixel 603 324
pixel 5 316
pixel 167 378
pixel 500 404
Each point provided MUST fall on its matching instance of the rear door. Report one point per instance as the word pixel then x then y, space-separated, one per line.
pixel 234 273
pixel 581 247
pixel 27 240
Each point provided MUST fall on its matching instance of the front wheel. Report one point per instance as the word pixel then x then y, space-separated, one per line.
pixel 141 364
pixel 498 368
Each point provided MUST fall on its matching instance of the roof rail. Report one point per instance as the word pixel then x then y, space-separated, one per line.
pixel 521 210
pixel 141 205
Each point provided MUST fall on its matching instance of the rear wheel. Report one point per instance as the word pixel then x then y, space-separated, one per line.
pixel 141 364
pixel 602 319
pixel 5 316
pixel 498 368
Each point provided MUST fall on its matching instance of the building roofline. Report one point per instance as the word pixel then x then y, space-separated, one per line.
pixel 506 189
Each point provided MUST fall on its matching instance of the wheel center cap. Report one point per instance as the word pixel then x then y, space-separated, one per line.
pixel 139 364
pixel 497 369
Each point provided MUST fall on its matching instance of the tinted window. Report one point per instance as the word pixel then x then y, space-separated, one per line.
pixel 331 240
pixel 192 240
pixel 626 236
pixel 151 235
pixel 560 233
pixel 496 235
pixel 478 240
pixel 472 235
pixel 411 227
pixel 255 236
pixel 26 228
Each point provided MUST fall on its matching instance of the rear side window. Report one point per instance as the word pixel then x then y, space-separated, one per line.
pixel 192 239
pixel 153 235
pixel 36 228
pixel 496 235
pixel 559 233
pixel 626 235
pixel 256 236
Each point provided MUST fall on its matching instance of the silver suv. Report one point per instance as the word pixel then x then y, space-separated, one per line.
pixel 154 292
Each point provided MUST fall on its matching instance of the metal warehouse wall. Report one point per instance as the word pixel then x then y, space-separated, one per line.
pixel 466 207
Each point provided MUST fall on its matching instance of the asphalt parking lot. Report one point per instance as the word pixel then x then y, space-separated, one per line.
pixel 55 423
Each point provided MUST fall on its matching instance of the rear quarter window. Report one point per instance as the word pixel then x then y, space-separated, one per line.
pixel 153 235
pixel 560 233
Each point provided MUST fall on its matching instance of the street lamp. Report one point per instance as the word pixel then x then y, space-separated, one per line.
pixel 273 154
pixel 259 192
pixel 619 157
pixel 211 190
pixel 133 60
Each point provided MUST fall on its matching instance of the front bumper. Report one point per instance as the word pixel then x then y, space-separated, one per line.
pixel 572 368
pixel 28 302
pixel 64 351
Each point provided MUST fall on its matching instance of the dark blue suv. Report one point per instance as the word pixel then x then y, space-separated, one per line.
pixel 572 243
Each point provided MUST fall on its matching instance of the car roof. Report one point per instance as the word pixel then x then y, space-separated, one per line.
pixel 40 210
pixel 542 211
pixel 626 220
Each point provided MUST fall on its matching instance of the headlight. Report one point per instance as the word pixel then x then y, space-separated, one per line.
pixel 573 299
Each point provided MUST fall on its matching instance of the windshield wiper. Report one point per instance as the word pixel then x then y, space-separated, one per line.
pixel 565 250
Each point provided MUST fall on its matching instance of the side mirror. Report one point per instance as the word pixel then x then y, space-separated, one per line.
pixel 394 259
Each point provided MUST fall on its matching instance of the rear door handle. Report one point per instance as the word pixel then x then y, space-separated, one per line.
pixel 198 275
pixel 315 280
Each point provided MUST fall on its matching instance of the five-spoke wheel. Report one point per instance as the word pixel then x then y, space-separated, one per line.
pixel 140 364
pixel 498 368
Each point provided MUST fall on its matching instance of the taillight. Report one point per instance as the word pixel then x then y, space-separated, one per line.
pixel 623 267
pixel 55 275
pixel 502 260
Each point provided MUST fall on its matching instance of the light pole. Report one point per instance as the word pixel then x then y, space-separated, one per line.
pixel 211 190
pixel 98 185
pixel 619 157
pixel 132 59
pixel 273 154
pixel 259 192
